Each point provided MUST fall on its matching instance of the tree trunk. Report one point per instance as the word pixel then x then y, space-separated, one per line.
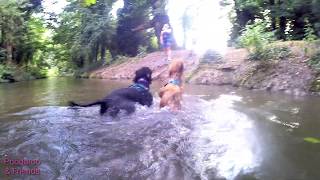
pixel 157 23
pixel 282 20
pixel 103 53
pixel 9 53
pixel 282 28
pixel 94 54
pixel 273 19
pixel 96 57
pixel 242 18
pixel 1 37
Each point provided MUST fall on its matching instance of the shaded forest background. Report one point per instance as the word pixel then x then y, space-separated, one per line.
pixel 86 35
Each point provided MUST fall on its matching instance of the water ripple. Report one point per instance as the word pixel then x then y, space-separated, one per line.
pixel 207 139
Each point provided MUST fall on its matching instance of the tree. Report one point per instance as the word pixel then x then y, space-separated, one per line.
pixel 87 31
pixel 10 23
pixel 134 13
pixel 159 18
pixel 15 30
pixel 284 15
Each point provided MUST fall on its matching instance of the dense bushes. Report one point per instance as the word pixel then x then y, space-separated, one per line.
pixel 6 72
pixel 314 61
pixel 255 36
pixel 289 20
pixel 270 53
pixel 257 39
pixel 12 73
pixel 260 33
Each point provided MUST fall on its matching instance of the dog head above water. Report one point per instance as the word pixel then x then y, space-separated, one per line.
pixel 176 69
pixel 171 93
pixel 143 74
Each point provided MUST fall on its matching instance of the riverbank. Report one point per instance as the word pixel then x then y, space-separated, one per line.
pixel 289 71
pixel 292 69
pixel 155 61
pixel 12 73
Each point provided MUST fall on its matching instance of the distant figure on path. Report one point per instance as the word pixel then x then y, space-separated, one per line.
pixel 166 40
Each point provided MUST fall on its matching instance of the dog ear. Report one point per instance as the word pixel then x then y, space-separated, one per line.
pixel 148 74
pixel 135 79
pixel 181 68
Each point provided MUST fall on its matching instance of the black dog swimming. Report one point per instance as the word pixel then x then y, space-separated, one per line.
pixel 126 98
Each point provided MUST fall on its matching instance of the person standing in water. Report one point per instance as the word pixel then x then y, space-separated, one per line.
pixel 166 40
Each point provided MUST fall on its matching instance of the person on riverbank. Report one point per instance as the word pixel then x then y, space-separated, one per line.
pixel 166 40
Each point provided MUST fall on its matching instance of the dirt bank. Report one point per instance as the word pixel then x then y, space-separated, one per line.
pixel 156 61
pixel 289 74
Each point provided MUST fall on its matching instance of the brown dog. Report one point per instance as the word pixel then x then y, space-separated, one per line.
pixel 171 93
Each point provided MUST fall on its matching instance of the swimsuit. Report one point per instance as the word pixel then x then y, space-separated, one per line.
pixel 166 39
pixel 174 82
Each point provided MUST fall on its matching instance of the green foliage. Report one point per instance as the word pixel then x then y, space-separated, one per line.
pixel 312 140
pixel 309 34
pixel 36 72
pixel 245 4
pixel 314 61
pixel 271 53
pixel 88 3
pixel 256 36
pixel 153 45
pixel 120 58
pixel 142 51
pixel 108 58
pixel 83 72
pixel 315 85
pixel 287 17
pixel 11 19
pixel 289 30
pixel 6 70
pixel 23 37
pixel 85 33
pixel 133 14
pixel 2 55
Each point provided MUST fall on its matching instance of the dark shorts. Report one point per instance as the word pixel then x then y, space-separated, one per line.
pixel 166 44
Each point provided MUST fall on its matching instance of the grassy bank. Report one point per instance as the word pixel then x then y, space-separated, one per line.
pixel 13 73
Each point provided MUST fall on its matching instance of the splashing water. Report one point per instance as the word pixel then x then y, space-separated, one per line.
pixel 210 24
pixel 219 134
pixel 151 143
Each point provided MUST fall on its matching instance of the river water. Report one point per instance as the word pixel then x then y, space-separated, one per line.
pixel 221 133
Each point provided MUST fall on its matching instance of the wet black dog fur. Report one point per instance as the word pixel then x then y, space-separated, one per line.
pixel 126 98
